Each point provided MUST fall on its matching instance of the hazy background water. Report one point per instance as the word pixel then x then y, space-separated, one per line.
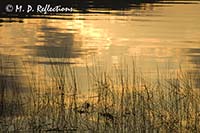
pixel 160 35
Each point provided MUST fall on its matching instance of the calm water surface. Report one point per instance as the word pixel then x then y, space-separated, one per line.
pixel 164 35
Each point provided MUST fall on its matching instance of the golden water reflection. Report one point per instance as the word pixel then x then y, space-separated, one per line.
pixel 156 36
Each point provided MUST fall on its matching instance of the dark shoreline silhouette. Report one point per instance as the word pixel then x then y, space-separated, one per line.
pixel 80 5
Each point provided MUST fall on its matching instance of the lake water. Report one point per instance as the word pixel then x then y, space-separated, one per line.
pixel 164 35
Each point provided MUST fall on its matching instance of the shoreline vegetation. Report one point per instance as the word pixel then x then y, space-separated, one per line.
pixel 123 100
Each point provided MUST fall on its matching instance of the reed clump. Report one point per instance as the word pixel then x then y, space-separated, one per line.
pixel 119 100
